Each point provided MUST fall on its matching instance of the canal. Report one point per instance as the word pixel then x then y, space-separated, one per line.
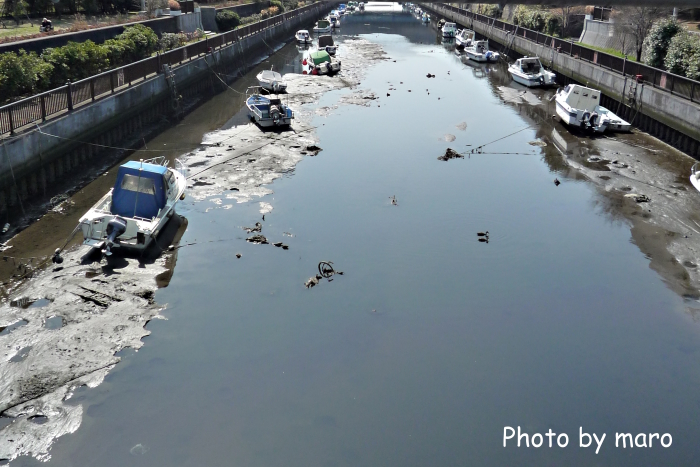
pixel 431 342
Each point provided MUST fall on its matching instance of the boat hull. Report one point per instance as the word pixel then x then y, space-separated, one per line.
pixel 482 58
pixel 530 81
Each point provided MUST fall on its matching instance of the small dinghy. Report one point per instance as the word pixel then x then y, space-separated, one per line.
pixel 267 111
pixel 425 18
pixel 529 72
pixel 303 36
pixel 579 106
pixel 136 209
pixel 465 37
pixel 479 52
pixel 326 43
pixel 449 30
pixel 323 26
pixel 271 81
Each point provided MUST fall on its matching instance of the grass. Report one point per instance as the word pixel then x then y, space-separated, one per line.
pixel 11 31
pixel 610 51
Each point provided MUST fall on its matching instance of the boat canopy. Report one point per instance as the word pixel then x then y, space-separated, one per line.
pixel 323 23
pixel 140 190
pixel 324 41
pixel 271 75
pixel 583 98
pixel 319 56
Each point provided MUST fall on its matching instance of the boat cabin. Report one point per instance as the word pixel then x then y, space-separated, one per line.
pixel 323 24
pixel 530 65
pixel 141 189
pixel 580 97
pixel 325 41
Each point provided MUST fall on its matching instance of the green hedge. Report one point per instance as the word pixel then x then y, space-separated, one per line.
pixel 657 42
pixel 683 57
pixel 227 20
pixel 23 74
pixel 536 19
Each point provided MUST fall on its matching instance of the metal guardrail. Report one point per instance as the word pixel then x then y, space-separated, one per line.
pixel 38 108
pixel 674 84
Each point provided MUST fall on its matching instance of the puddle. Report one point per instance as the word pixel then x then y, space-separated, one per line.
pixel 5 422
pixel 38 419
pixel 21 354
pixel 8 329
pixel 42 302
pixel 54 322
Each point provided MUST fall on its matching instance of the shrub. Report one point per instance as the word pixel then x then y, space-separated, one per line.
pixel 277 4
pixel 251 19
pixel 536 19
pixel 75 61
pixel 140 42
pixel 657 42
pixel 22 74
pixel 272 11
pixel 227 20
pixel 169 41
pixel 491 10
pixel 683 57
pixel 173 5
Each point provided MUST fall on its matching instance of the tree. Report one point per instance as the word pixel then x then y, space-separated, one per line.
pixel 636 22
pixel 659 39
pixel 683 57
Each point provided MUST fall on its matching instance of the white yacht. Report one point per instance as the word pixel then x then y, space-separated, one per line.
pixel 579 106
pixel 136 209
pixel 465 37
pixel 529 72
pixel 479 52
pixel 449 30
pixel 303 36
pixel 323 26
pixel 271 81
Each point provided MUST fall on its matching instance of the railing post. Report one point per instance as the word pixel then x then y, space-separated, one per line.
pixel 12 123
pixel 92 89
pixel 159 67
pixel 692 92
pixel 624 65
pixel 69 95
pixel 673 81
pixel 43 108
pixel 111 82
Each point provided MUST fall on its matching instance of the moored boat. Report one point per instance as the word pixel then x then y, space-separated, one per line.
pixel 479 52
pixel 135 210
pixel 267 111
pixel 465 37
pixel 271 81
pixel 322 26
pixel 319 62
pixel 580 107
pixel 449 30
pixel 695 175
pixel 425 18
pixel 303 36
pixel 326 43
pixel 529 72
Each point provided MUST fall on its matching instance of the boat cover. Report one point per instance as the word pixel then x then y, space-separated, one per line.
pixel 319 56
pixel 139 190
pixel 324 41
pixel 323 24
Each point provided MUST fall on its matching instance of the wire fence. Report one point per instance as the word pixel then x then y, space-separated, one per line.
pixel 38 108
pixel 674 84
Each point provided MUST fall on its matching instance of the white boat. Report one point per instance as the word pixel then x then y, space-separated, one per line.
pixel 695 176
pixel 449 30
pixel 303 36
pixel 319 62
pixel 361 6
pixel 323 26
pixel 267 111
pixel 425 18
pixel 136 209
pixel 342 8
pixel 326 43
pixel 335 19
pixel 529 72
pixel 479 52
pixel 465 37
pixel 579 106
pixel 271 81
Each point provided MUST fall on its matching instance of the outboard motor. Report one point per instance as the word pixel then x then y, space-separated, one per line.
pixel 276 114
pixel 115 228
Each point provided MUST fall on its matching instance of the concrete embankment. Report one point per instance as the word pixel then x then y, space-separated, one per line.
pixel 658 112
pixel 35 165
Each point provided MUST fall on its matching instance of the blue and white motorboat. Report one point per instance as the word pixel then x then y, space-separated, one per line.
pixel 136 209
pixel 342 8
pixel 479 52
pixel 267 111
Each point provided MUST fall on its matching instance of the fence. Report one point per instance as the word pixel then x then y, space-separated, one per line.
pixel 51 103
pixel 674 84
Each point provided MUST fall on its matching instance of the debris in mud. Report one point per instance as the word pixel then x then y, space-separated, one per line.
pixel 538 143
pixel 238 255
pixel 430 76
pixel 638 198
pixel 312 148
pixel 557 182
pixel 257 228
pixel 450 154
pixel 287 234
pixel 6 227
pixel 257 239
pixel 460 126
pixel 139 449
pixel 448 137
pixel 595 159
pixel 393 200
pixel 325 271
pixel 312 282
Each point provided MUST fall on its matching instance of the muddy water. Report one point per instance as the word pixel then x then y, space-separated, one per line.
pixel 431 342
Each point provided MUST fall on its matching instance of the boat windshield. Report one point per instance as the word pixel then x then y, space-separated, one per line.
pixel 269 74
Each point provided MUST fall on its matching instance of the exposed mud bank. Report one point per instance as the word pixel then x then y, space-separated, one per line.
pixel 75 317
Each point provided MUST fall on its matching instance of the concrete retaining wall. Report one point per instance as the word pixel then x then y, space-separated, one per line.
pixel 657 105
pixel 602 34
pixel 32 163
pixel 189 22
